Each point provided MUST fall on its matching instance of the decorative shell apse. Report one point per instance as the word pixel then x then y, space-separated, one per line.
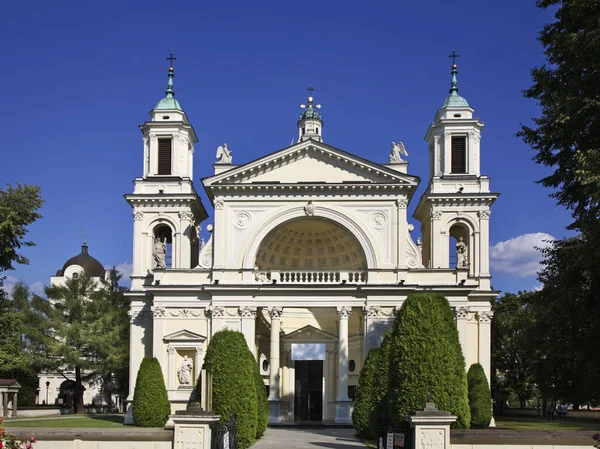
pixel 310 244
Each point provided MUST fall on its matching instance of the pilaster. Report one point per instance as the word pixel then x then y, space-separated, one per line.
pixel 343 402
pixel 274 367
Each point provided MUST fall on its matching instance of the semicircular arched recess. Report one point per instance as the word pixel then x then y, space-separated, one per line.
pixel 310 243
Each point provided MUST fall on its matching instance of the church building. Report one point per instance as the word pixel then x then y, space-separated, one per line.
pixel 310 255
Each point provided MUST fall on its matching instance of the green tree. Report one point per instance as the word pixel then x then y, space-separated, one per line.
pixel 380 417
pixel 18 210
pixel 566 136
pixel 110 334
pixel 480 398
pixel 151 407
pixel 366 400
pixel 513 347
pixel 567 315
pixel 426 359
pixel 233 382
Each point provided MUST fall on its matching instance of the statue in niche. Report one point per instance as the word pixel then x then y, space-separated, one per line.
pixel 224 155
pixel 397 150
pixel 160 252
pixel 185 370
pixel 462 259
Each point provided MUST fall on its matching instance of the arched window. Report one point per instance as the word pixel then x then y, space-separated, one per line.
pixel 460 246
pixel 162 253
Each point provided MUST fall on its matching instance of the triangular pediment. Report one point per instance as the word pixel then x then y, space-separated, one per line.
pixel 310 333
pixel 184 335
pixel 310 162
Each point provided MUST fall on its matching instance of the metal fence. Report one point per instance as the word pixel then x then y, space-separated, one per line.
pixel 224 434
pixel 388 436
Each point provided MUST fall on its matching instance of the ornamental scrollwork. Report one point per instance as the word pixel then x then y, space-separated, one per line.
pixel 185 313
pixel 372 311
pixel 216 311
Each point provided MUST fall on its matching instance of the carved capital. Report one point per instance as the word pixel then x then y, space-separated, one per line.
pixel 402 203
pixel 344 312
pixel 135 316
pixel 447 134
pixel 436 214
pixel 215 311
pixel 138 216
pixel 485 317
pixel 158 311
pixel 152 137
pixel 275 312
pixel 247 312
pixel 171 350
pixel 484 214
pixel 199 351
pixel 371 311
pixel 186 215
pixel 436 139
pixel 461 313
pixel 219 204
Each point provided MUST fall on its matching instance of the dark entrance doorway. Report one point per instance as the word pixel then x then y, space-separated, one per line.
pixel 308 404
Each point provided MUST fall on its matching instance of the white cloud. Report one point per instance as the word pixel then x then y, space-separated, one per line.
pixel 10 281
pixel 519 256
pixel 125 268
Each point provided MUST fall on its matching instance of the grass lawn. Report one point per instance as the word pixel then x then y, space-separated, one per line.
pixel 521 423
pixel 83 421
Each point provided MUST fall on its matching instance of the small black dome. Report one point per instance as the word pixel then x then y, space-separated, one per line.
pixel 91 266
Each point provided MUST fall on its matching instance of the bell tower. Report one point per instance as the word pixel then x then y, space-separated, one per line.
pixel 454 211
pixel 167 211
pixel 310 125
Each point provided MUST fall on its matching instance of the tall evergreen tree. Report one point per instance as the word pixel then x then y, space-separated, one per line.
pixel 566 136
pixel 426 359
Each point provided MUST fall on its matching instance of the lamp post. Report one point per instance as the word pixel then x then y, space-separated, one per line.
pixel 47 390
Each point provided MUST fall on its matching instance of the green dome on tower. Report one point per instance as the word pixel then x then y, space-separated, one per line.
pixel 169 102
pixel 454 100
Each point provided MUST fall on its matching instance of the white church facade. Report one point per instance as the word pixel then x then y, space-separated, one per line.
pixel 310 255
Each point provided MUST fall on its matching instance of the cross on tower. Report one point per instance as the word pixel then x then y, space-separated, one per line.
pixel 454 55
pixel 171 58
pixel 84 235
pixel 310 90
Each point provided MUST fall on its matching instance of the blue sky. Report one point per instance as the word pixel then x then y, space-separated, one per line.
pixel 79 77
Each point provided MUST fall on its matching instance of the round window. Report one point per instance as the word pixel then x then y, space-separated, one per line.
pixel 265 365
pixel 352 366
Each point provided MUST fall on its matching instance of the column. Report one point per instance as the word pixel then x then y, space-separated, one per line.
pixel 14 412
pixel 185 243
pixel 343 402
pixel 171 368
pixel 439 252
pixel 158 316
pixel 197 363
pixel 485 342
pixel 136 353
pixel 5 404
pixel 248 315
pixel 274 397
pixel 462 314
pixel 371 337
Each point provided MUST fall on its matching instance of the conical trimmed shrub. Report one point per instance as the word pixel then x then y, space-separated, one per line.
pixel 480 397
pixel 426 359
pixel 231 366
pixel 380 417
pixel 151 407
pixel 262 406
pixel 365 400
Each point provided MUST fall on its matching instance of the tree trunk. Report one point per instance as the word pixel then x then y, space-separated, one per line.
pixel 78 392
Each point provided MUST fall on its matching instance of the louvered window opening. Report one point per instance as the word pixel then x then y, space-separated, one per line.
pixel 164 156
pixel 459 154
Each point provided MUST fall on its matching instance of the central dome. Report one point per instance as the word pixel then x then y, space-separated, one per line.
pixel 310 243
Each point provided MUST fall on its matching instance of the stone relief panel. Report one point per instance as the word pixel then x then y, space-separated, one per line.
pixel 206 254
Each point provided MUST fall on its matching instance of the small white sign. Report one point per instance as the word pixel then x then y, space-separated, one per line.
pixel 389 444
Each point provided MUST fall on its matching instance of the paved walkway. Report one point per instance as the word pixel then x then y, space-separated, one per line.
pixel 306 437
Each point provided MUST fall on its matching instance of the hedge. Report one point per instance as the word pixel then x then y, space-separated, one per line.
pixel 426 359
pixel 365 400
pixel 262 406
pixel 231 366
pixel 151 407
pixel 480 397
